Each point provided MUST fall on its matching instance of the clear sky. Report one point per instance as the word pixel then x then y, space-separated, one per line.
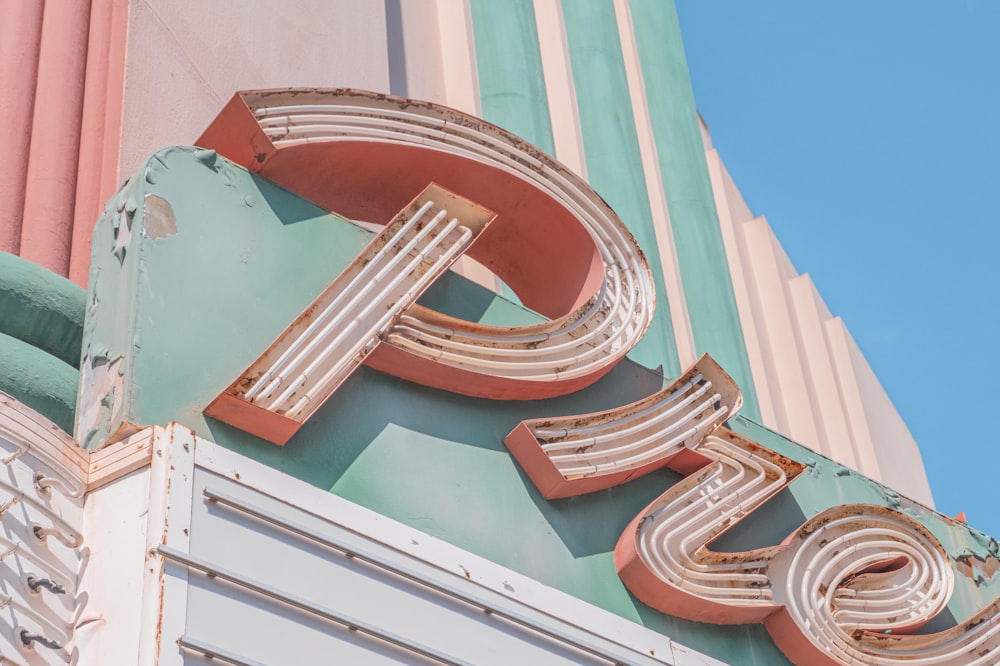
pixel 868 134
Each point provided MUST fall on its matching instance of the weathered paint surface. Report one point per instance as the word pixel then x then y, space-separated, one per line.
pixel 879 570
pixel 827 484
pixel 292 135
pixel 199 305
pixel 41 538
pixel 229 230
pixel 571 455
pixel 593 282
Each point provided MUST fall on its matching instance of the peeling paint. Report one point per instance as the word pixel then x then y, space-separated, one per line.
pixel 158 219
pixel 210 159
pixel 122 236
pixel 977 568
pixel 101 387
pixel 207 157
pixel 892 498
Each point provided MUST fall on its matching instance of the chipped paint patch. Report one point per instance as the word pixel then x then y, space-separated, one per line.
pixel 976 568
pixel 101 388
pixel 122 236
pixel 158 220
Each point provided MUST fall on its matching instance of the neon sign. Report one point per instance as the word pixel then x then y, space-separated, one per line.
pixel 849 586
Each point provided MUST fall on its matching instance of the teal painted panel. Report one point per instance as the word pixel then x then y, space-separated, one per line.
pixel 611 150
pixel 215 263
pixel 694 220
pixel 457 296
pixel 197 267
pixel 509 66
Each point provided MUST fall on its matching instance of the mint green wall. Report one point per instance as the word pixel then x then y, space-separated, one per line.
pixel 611 148
pixel 509 67
pixel 509 71
pixel 513 96
pixel 694 220
pixel 512 91
pixel 244 257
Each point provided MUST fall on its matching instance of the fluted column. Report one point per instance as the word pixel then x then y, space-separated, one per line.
pixel 97 172
pixel 20 37
pixel 50 188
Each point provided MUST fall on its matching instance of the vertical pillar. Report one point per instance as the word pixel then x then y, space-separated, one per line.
pixel 50 189
pixel 701 254
pixel 97 170
pixel 611 148
pixel 509 68
pixel 20 36
pixel 509 63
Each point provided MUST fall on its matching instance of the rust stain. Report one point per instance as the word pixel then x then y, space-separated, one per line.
pixel 159 620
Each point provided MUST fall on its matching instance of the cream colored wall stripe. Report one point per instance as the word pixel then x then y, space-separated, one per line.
pixel 686 351
pixel 897 452
pixel 559 88
pixel 810 312
pixel 827 375
pixel 733 213
pixel 423 57
pixel 458 56
pixel 441 68
pixel 813 383
pixel 840 342
pixel 794 413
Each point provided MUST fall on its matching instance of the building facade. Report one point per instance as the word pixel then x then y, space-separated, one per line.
pixel 429 332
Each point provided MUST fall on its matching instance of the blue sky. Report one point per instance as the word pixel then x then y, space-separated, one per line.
pixel 868 134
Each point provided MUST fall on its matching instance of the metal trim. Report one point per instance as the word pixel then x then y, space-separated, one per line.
pixel 498 606
pixel 212 652
pixel 213 571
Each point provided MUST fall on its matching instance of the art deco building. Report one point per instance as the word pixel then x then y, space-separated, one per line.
pixel 428 332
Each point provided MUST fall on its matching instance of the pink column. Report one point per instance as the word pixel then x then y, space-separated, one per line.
pixel 20 34
pixel 110 179
pixel 101 122
pixel 55 135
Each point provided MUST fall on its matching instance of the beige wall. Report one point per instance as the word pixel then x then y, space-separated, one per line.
pixel 178 74
pixel 813 383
